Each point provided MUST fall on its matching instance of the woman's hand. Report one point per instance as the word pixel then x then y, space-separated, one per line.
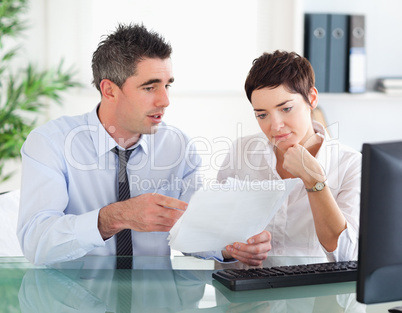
pixel 299 162
pixel 254 252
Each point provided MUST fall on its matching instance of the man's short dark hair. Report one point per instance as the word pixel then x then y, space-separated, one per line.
pixel 281 68
pixel 117 56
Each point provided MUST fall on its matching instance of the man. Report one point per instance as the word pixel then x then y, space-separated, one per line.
pixel 71 201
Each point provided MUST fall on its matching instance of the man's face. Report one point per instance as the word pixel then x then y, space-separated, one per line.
pixel 142 100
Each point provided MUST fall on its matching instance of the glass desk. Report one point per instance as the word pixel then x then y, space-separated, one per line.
pixel 159 284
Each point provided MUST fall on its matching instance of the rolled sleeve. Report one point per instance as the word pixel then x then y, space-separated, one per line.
pixel 347 248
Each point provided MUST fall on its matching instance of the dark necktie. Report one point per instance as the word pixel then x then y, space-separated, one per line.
pixel 124 244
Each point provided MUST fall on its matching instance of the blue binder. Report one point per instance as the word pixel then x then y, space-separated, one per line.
pixel 315 47
pixel 337 74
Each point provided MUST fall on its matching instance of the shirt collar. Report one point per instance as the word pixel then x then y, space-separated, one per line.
pixel 103 142
pixel 323 155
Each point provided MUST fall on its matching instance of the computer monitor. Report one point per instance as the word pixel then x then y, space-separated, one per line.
pixel 380 240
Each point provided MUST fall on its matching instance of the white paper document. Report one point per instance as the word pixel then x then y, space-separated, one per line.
pixel 226 213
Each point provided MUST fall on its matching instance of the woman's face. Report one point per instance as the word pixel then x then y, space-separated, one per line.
pixel 284 117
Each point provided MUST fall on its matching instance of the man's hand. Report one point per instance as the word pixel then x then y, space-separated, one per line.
pixel 145 213
pixel 253 253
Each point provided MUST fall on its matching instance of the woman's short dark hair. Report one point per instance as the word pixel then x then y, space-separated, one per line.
pixel 117 56
pixel 281 68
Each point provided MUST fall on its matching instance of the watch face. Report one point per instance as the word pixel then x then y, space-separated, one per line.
pixel 319 186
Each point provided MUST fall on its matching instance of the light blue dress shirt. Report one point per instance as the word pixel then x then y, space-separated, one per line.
pixel 69 174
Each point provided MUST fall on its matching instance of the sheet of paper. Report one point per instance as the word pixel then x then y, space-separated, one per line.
pixel 222 214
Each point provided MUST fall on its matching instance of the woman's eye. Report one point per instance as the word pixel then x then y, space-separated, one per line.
pixel 286 110
pixel 261 116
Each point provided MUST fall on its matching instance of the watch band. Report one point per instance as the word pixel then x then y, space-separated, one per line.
pixel 317 187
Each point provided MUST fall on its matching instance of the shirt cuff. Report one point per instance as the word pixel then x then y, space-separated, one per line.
pixel 215 255
pixel 88 232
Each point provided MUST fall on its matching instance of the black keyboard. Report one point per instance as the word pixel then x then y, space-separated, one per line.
pixel 287 276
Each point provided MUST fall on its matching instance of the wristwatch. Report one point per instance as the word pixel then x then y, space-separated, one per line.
pixel 317 187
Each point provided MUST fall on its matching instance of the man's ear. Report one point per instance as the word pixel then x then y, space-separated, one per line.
pixel 108 89
pixel 313 96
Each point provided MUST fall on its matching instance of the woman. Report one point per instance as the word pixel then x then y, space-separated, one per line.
pixel 321 215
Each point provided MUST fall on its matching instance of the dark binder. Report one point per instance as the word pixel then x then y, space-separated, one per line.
pixel 315 47
pixel 357 54
pixel 337 75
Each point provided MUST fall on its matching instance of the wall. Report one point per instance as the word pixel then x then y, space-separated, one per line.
pixel 214 44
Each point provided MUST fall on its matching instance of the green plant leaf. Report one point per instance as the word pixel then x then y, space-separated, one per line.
pixel 25 93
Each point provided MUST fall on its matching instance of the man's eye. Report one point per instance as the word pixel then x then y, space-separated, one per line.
pixel 148 88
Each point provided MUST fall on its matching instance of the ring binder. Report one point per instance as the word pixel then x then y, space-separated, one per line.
pixel 357 54
pixel 316 29
pixel 338 53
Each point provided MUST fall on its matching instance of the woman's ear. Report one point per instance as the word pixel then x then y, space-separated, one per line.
pixel 313 96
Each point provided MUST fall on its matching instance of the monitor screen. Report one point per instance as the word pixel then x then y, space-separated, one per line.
pixel 380 235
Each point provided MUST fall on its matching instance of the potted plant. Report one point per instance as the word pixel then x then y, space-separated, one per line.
pixel 25 91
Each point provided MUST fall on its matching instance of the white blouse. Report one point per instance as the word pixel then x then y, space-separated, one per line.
pixel 292 228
